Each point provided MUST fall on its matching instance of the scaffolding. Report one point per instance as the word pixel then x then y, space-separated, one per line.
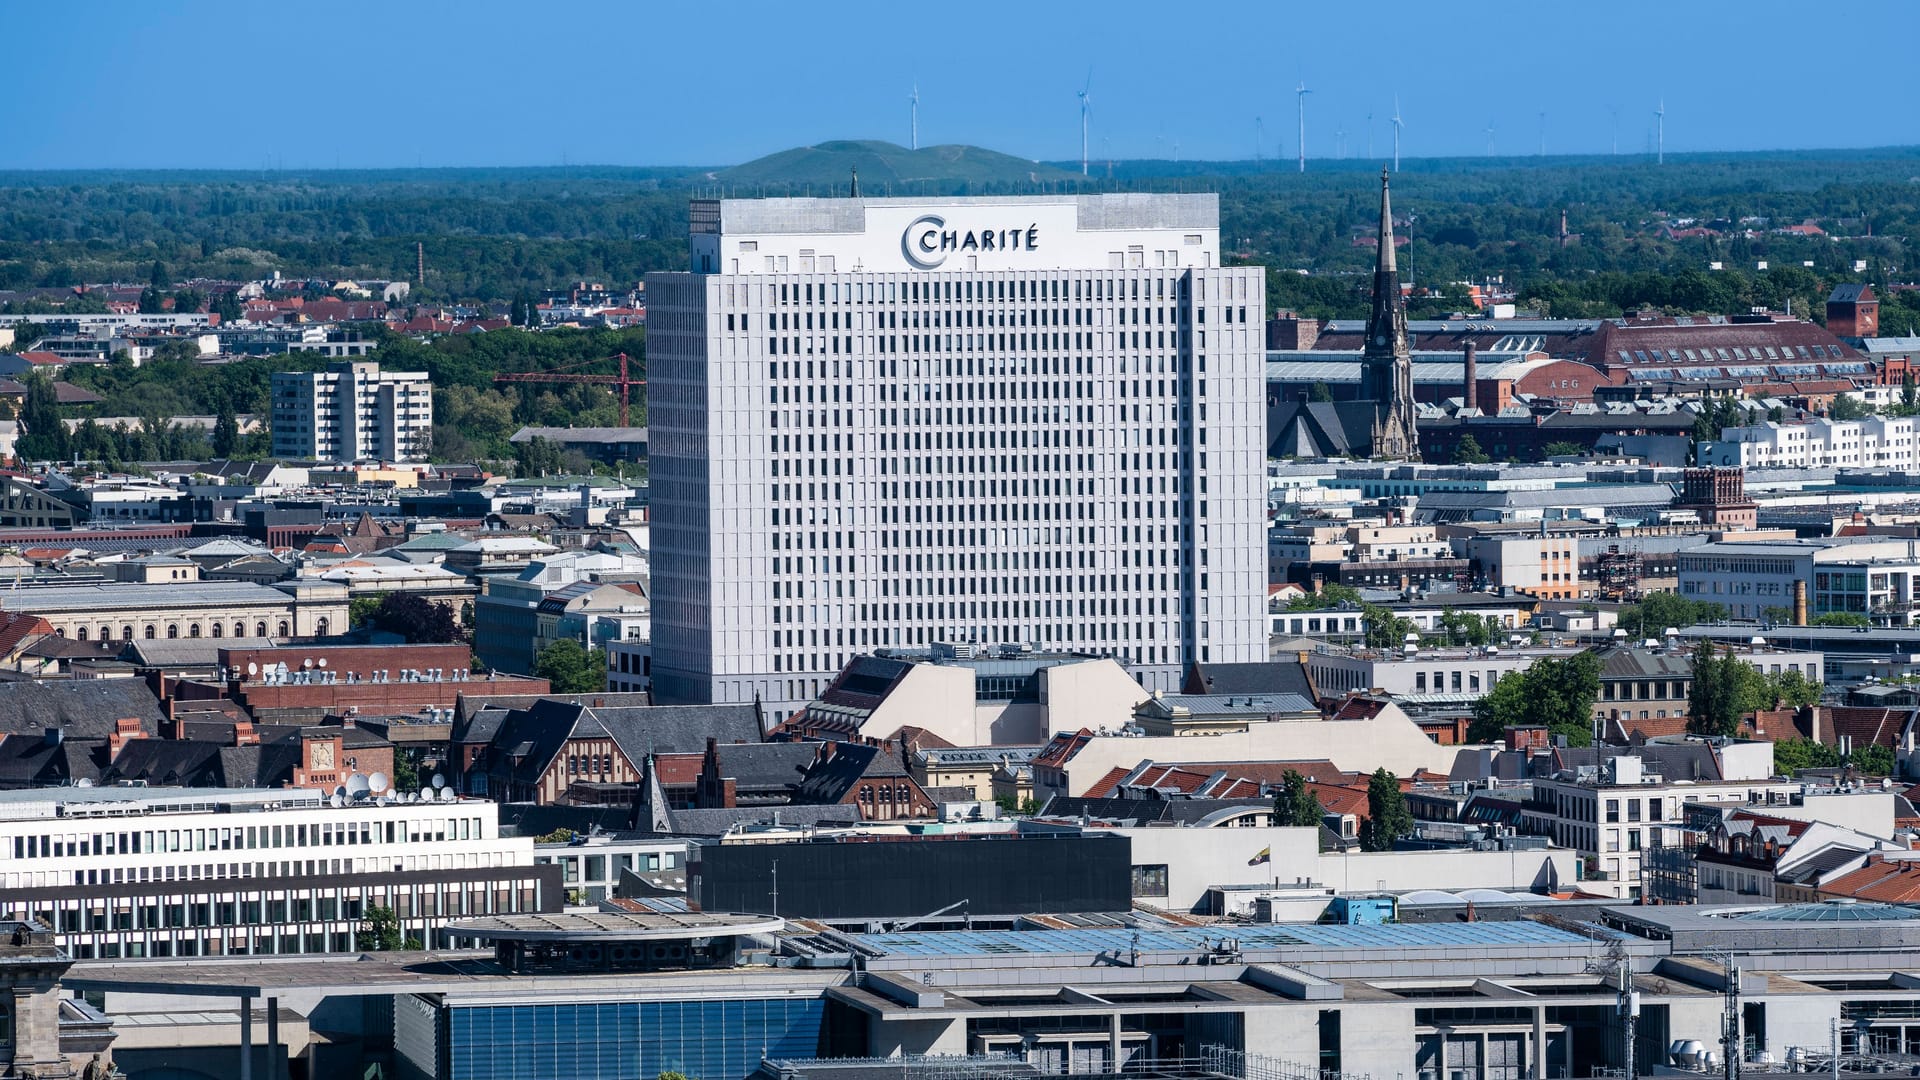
pixel 1619 573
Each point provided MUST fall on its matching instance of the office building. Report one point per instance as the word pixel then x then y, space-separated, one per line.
pixel 894 422
pixel 133 872
pixel 352 411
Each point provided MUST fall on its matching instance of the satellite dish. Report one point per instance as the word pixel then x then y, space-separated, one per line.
pixel 439 781
pixel 253 668
pixel 83 782
pixel 323 660
pixel 447 795
pixel 338 800
pixel 379 782
pixel 358 786
pixel 340 790
pixel 426 794
pixel 308 662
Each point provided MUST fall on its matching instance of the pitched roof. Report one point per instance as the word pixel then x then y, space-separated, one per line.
pixel 81 708
pixel 1893 881
pixel 1271 677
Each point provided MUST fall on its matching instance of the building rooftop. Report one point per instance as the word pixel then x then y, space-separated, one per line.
pixel 614 926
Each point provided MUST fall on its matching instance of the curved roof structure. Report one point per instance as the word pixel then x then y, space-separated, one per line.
pixel 603 926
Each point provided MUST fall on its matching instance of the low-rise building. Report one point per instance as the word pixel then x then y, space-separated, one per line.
pixel 130 872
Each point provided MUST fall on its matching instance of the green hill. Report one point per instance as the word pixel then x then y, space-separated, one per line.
pixel 886 168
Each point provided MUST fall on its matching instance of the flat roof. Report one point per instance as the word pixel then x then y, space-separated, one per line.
pixel 137 596
pixel 1446 936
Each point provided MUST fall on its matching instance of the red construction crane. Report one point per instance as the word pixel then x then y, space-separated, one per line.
pixel 561 376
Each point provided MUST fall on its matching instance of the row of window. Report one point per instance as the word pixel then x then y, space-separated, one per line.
pixel 152 630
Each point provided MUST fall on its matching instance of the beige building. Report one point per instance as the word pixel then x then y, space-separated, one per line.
pixel 970 767
pixel 1544 566
pixel 130 611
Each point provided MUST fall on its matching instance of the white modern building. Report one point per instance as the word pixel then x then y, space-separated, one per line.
pixel 137 871
pixel 1460 671
pixel 1876 577
pixel 352 411
pixel 1876 442
pixel 895 422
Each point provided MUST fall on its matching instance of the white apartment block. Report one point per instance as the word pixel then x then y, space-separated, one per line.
pixel 136 871
pixel 892 422
pixel 1612 818
pixel 1469 671
pixel 1876 442
pixel 352 411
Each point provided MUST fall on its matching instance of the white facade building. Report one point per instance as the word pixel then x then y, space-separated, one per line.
pixel 1876 577
pixel 136 871
pixel 892 422
pixel 352 411
pixel 1876 442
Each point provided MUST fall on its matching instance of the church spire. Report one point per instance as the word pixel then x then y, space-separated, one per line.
pixel 1385 262
pixel 1386 360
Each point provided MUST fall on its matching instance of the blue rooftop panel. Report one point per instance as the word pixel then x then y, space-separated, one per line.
pixel 1308 936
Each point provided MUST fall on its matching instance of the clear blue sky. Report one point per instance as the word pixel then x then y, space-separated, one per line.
pixel 657 82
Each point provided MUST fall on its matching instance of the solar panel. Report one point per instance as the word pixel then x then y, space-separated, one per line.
pixel 1093 941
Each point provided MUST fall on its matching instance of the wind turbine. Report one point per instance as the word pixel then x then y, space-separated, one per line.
pixel 1302 91
pixel 1340 143
pixel 1397 125
pixel 1259 141
pixel 1614 110
pixel 1660 138
pixel 1086 111
pixel 913 113
pixel 1489 138
pixel 1369 136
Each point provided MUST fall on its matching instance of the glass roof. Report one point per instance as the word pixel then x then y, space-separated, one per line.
pixel 1830 912
pixel 1311 936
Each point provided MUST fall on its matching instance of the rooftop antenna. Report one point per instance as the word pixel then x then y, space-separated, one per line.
pixel 913 118
pixel 1302 92
pixel 1397 125
pixel 1086 112
pixel 1660 133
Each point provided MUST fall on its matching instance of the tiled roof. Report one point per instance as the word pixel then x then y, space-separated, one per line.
pixel 1893 882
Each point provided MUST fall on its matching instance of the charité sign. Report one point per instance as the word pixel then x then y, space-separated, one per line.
pixel 927 241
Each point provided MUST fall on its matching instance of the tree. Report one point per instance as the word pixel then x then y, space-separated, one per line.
pixel 45 438
pixel 380 932
pixel 1651 616
pixel 405 776
pixel 1871 759
pixel 1295 804
pixel 1790 688
pixel 1725 688
pixel 360 609
pixel 1792 756
pixel 571 669
pixel 1468 452
pixel 187 301
pixel 1331 594
pixel 1385 630
pixel 158 277
pixel 536 457
pixel 1840 618
pixel 420 620
pixel 1563 448
pixel 1387 816
pixel 1847 407
pixel 227 306
pixel 1551 693
pixel 1321 392
pixel 226 432
pixel 152 301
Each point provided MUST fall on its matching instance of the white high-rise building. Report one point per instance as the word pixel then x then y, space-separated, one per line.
pixel 890 422
pixel 352 411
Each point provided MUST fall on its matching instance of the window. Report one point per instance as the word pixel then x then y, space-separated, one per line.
pixel 1150 880
pixel 1613 809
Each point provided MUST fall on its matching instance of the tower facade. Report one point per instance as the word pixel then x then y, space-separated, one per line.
pixel 1386 363
pixel 888 423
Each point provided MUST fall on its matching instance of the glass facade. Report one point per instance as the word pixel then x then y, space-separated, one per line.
pixel 629 1040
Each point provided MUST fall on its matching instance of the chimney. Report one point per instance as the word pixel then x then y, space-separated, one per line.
pixel 1467 390
pixel 1800 602
pixel 244 735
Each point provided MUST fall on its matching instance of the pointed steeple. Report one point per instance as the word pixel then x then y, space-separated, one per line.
pixel 855 193
pixel 1386 360
pixel 1384 263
